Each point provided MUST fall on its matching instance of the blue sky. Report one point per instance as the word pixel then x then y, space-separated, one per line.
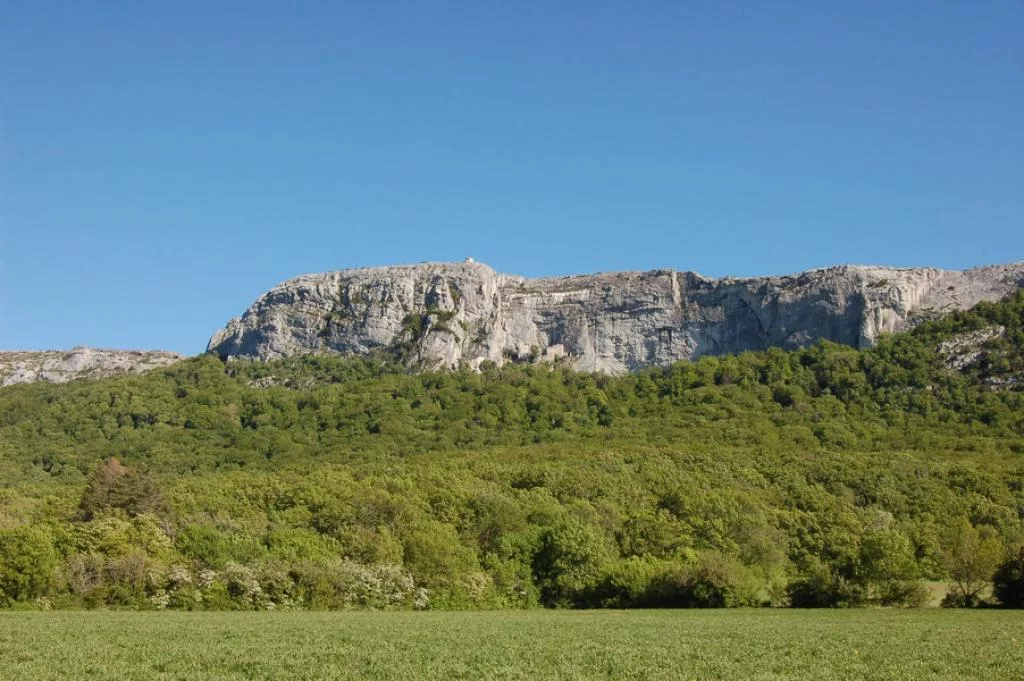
pixel 161 167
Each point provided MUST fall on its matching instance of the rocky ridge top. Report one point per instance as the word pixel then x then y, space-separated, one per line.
pixel 60 366
pixel 450 315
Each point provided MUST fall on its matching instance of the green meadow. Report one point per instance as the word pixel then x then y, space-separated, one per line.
pixel 747 644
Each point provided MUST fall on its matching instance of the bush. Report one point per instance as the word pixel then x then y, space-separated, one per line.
pixel 131 580
pixel 343 584
pixel 629 583
pixel 214 548
pixel 717 580
pixel 820 587
pixel 709 580
pixel 907 593
pixel 84 576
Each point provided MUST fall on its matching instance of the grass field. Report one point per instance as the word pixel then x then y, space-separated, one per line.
pixel 720 644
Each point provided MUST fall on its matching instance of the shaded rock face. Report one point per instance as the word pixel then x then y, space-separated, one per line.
pixel 448 315
pixel 60 366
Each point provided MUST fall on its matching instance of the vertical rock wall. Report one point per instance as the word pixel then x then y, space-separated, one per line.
pixel 447 315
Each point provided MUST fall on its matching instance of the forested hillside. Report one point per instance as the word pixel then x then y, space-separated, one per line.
pixel 826 476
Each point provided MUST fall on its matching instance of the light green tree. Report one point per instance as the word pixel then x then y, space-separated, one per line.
pixel 971 556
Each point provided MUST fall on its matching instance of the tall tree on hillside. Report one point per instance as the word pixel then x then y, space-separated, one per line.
pixel 116 486
pixel 971 556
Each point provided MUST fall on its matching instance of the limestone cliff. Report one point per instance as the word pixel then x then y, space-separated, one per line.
pixel 60 366
pixel 446 315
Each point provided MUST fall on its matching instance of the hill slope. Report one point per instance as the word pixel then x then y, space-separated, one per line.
pixel 825 475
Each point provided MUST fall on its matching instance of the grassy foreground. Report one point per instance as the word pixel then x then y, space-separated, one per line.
pixel 719 644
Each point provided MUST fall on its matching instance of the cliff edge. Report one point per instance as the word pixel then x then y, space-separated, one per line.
pixel 449 315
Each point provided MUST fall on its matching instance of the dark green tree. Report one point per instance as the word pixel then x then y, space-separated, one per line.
pixel 116 486
pixel 1008 582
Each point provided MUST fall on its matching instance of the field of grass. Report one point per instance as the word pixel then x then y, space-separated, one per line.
pixel 691 644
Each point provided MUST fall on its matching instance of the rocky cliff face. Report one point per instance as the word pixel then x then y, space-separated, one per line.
pixel 447 315
pixel 59 366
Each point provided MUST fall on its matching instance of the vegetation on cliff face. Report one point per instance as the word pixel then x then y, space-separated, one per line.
pixel 825 476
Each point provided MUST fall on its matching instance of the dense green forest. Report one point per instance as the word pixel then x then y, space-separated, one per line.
pixel 820 477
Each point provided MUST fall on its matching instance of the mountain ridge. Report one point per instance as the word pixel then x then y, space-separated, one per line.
pixel 451 315
pixel 61 366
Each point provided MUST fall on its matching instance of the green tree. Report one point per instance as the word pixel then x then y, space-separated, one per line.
pixel 435 556
pixel 28 563
pixel 971 556
pixel 1008 581
pixel 116 486
pixel 889 568
pixel 572 557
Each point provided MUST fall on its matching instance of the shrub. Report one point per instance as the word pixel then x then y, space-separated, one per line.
pixel 628 583
pixel 342 584
pixel 83 576
pixel 713 580
pixel 214 548
pixel 243 586
pixel 708 580
pixel 130 580
pixel 907 593
pixel 820 587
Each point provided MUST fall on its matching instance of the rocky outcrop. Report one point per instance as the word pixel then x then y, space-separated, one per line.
pixel 447 315
pixel 60 366
pixel 966 349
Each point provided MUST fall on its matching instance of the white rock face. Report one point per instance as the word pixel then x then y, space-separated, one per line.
pixel 447 315
pixel 60 366
pixel 965 349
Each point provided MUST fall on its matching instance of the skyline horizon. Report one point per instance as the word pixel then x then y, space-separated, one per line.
pixel 777 275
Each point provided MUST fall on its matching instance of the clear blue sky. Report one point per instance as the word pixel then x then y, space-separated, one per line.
pixel 160 167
